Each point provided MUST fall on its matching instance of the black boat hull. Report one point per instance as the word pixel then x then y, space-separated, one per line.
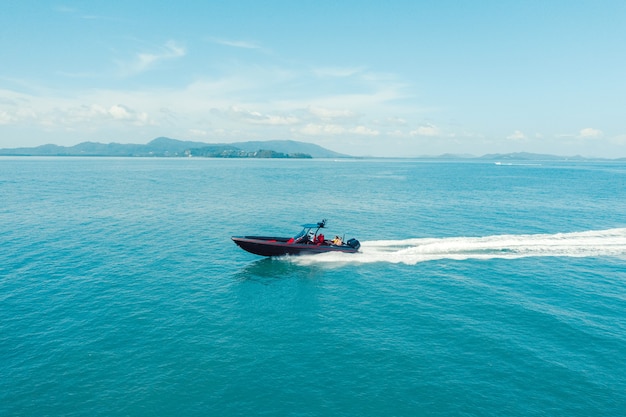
pixel 280 246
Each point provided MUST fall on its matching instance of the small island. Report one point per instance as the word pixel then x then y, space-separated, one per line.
pixel 234 152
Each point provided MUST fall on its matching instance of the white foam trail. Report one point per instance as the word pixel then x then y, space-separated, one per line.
pixel 592 243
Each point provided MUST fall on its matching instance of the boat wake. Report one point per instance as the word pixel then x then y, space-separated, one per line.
pixel 594 243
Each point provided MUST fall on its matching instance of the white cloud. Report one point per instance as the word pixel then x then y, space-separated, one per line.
pixel 6 118
pixel 119 112
pixel 116 112
pixel 93 116
pixel 337 72
pixel 198 132
pixel 313 129
pixel 366 131
pixel 590 132
pixel 426 130
pixel 256 117
pixel 325 114
pixel 517 135
pixel 276 120
pixel 145 61
pixel 564 136
pixel 396 133
pixel 235 43
pixel 65 9
pixel 619 140
pixel 396 121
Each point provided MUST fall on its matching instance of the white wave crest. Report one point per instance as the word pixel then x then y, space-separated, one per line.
pixel 592 243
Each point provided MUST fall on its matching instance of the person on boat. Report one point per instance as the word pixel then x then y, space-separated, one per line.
pixel 319 240
pixel 337 241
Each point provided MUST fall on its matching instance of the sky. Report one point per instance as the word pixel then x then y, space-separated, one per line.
pixel 390 79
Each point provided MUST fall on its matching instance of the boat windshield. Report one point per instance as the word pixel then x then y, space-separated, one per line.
pixel 308 229
pixel 302 234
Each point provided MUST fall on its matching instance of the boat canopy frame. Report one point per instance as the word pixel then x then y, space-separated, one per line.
pixel 307 227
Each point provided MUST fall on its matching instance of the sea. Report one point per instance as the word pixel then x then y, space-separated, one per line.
pixel 480 289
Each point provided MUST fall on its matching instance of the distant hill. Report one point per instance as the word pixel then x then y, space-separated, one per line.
pixel 518 156
pixel 167 147
pixel 526 156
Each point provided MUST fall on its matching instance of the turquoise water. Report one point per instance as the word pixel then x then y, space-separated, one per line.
pixel 480 289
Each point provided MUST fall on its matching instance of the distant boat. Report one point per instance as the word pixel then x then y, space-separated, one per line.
pixel 308 241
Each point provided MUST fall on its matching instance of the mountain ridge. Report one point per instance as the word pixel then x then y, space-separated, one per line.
pixel 168 147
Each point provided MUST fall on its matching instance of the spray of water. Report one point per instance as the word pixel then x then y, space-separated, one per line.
pixel 592 243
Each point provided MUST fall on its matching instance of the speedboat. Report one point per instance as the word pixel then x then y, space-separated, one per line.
pixel 308 241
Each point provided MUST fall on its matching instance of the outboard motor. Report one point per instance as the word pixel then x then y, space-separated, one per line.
pixel 353 243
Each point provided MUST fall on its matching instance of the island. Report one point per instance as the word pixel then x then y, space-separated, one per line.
pixel 173 148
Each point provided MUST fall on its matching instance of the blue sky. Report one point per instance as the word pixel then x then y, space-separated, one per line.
pixel 403 78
